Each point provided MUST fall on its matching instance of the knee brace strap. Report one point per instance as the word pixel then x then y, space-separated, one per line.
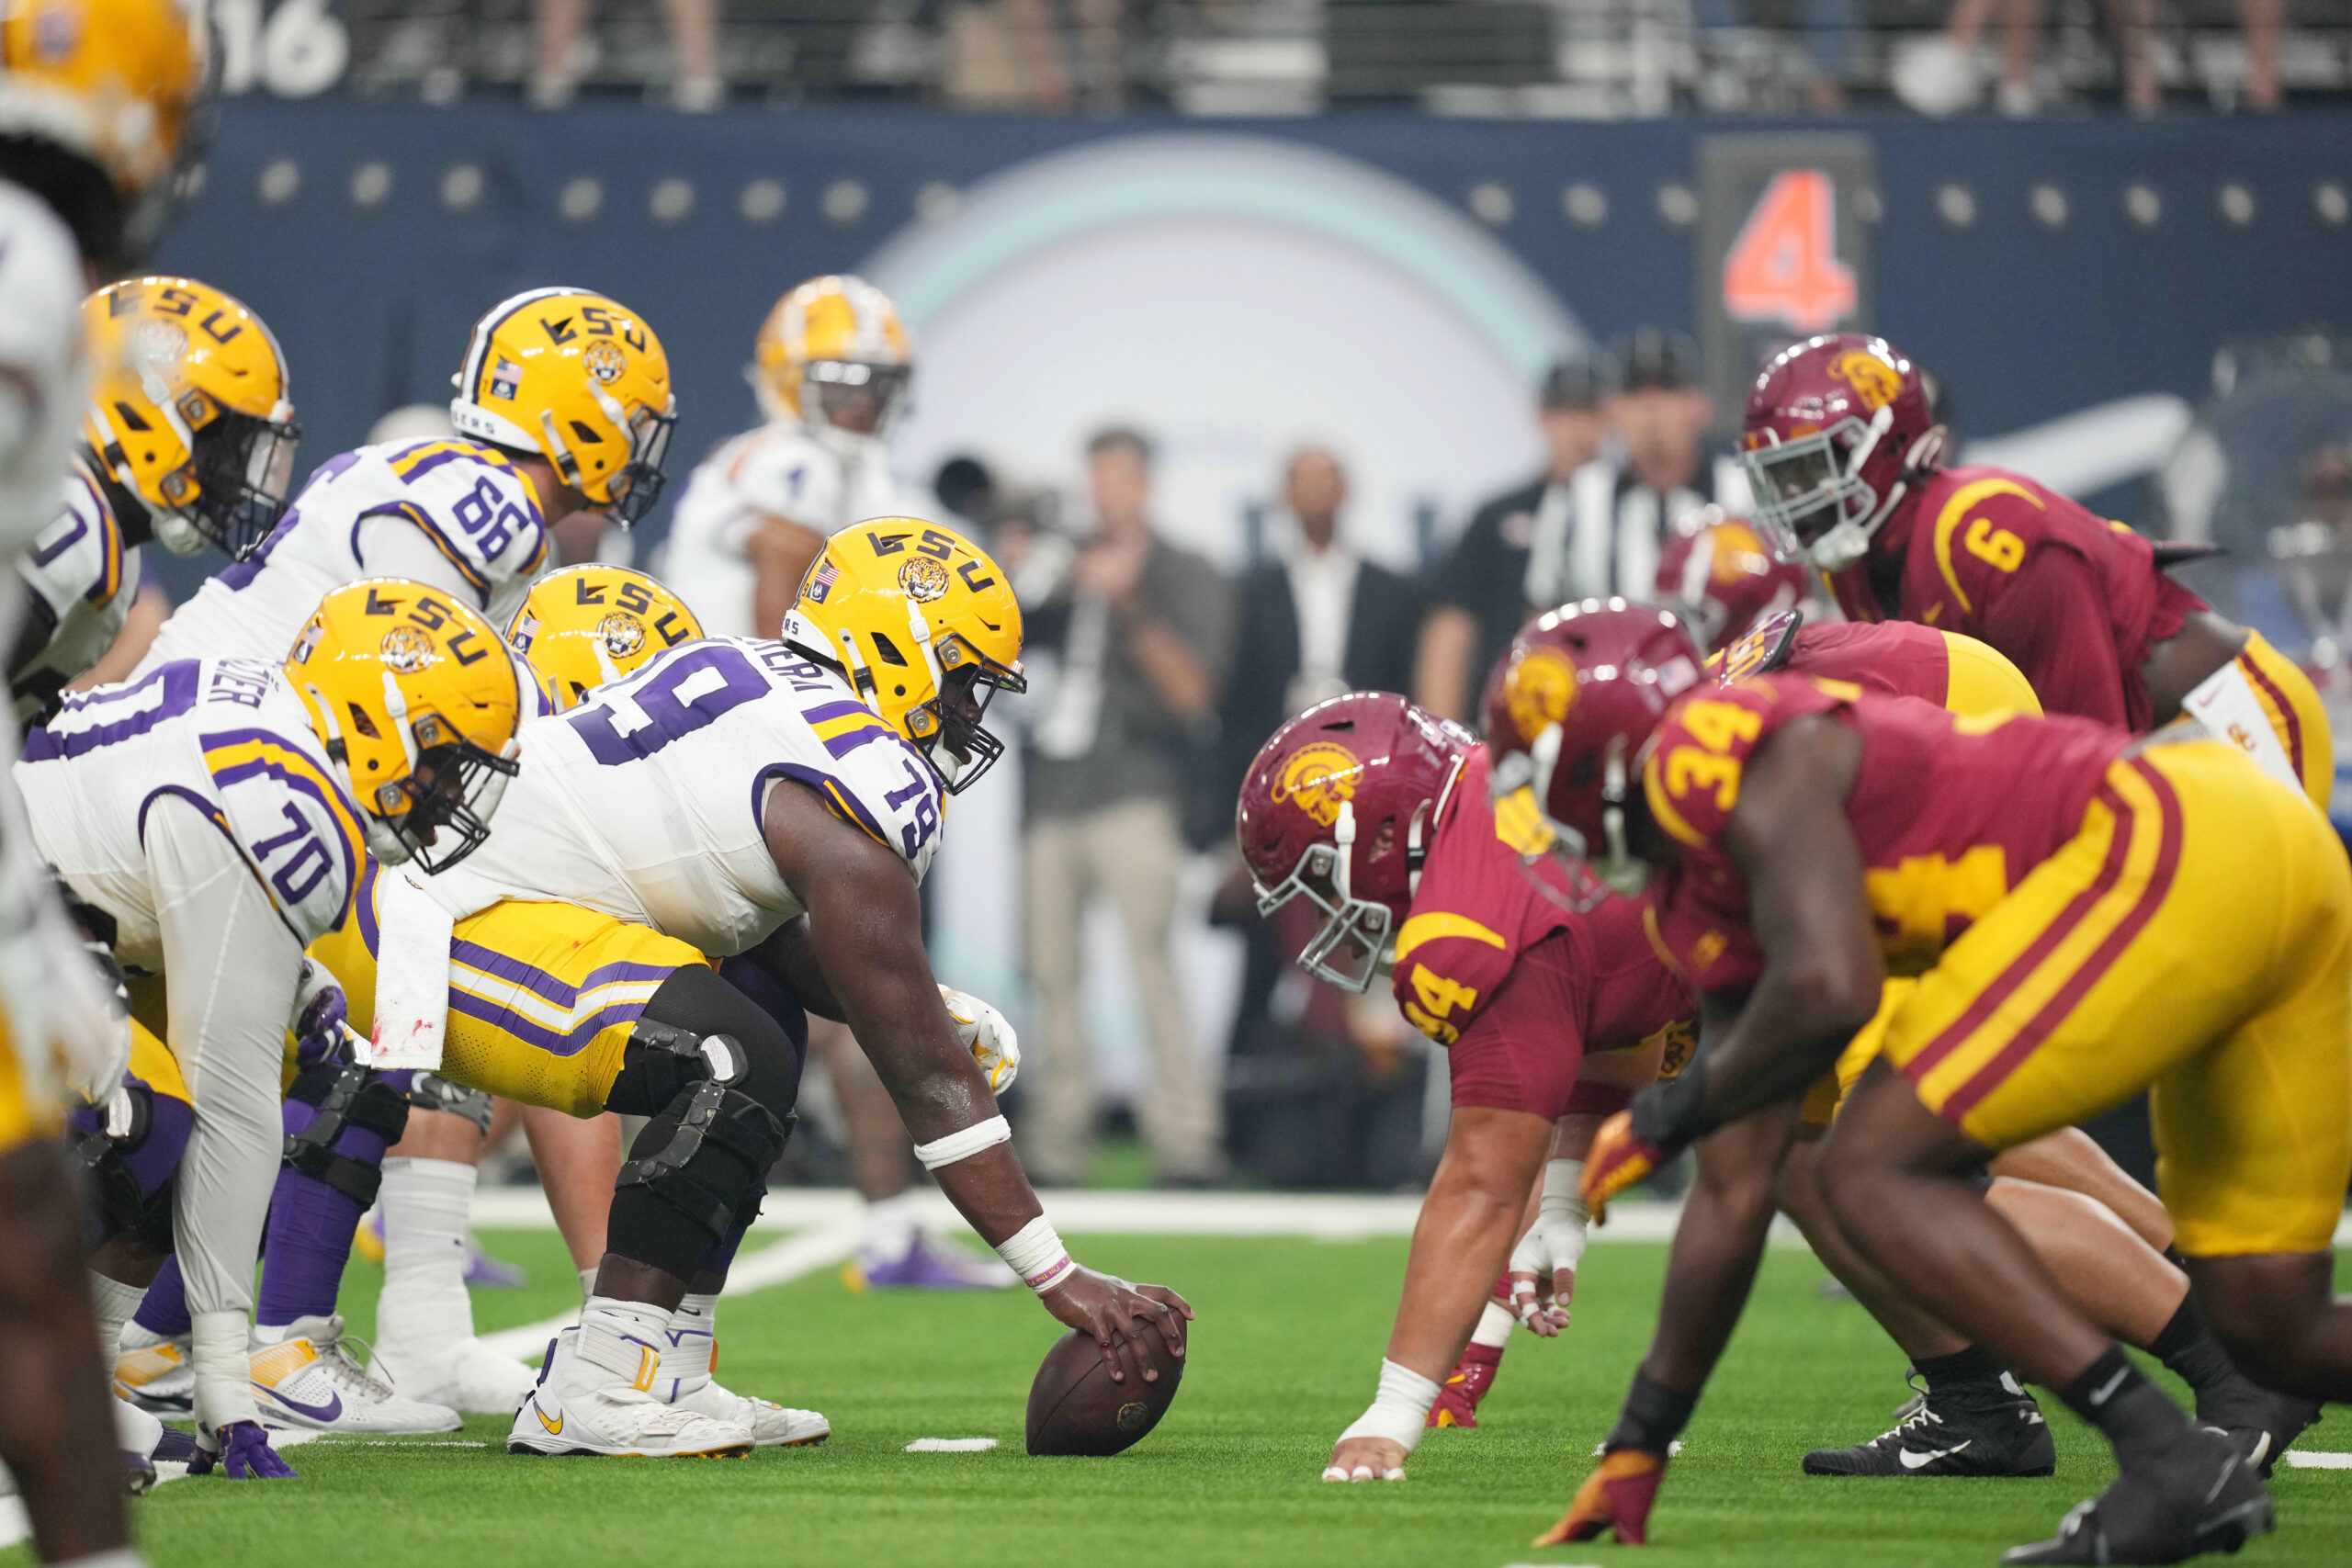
pixel 719 1155
pixel 344 1096
pixel 664 1062
pixel 106 1136
pixel 431 1091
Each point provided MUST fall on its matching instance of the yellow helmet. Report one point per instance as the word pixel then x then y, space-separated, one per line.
pixel 416 704
pixel 588 625
pixel 188 410
pixel 115 83
pixel 580 380
pixel 925 626
pixel 842 337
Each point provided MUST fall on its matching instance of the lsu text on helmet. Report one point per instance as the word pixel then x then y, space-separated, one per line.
pixel 189 411
pixel 98 98
pixel 925 626
pixel 1720 574
pixel 581 381
pixel 1337 808
pixel 834 356
pixel 1567 710
pixel 586 626
pixel 1837 428
pixel 416 704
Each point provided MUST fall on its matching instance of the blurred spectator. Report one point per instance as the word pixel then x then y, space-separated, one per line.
pixel 1141 632
pixel 557 26
pixel 1828 30
pixel 1943 74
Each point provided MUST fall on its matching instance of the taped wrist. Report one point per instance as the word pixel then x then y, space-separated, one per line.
pixel 1401 1411
pixel 1035 1253
pixel 217 1353
pixel 704 1160
pixel 345 1100
pixel 1654 1417
pixel 1671 1113
pixel 964 1142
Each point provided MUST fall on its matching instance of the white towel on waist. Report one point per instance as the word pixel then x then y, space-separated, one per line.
pixel 412 975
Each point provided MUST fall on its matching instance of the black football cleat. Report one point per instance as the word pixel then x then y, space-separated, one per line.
pixel 2261 1422
pixel 1950 1434
pixel 2203 1498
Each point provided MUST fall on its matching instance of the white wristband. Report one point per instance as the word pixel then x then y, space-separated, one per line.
pixel 1563 1179
pixel 1037 1254
pixel 964 1142
pixel 1401 1410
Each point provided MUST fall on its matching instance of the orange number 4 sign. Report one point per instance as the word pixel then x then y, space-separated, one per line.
pixel 1783 266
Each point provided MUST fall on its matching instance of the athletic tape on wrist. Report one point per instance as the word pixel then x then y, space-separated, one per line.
pixel 218 1343
pixel 1400 1412
pixel 1563 1179
pixel 964 1143
pixel 1037 1254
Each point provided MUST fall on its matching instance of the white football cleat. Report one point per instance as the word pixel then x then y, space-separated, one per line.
pixel 158 1377
pixel 773 1425
pixel 310 1379
pixel 596 1397
pixel 469 1376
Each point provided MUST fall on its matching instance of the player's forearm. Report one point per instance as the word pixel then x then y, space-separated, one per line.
pixel 781 552
pixel 1717 1246
pixel 991 1191
pixel 1473 1213
pixel 1788 1033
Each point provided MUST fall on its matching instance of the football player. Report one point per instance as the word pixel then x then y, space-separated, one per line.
pixel 701 806
pixel 1722 579
pixel 831 368
pixel 95 102
pixel 220 814
pixel 2087 916
pixel 1844 458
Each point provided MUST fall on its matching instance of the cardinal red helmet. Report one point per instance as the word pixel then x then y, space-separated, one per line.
pixel 1336 808
pixel 1575 696
pixel 1837 428
pixel 1723 578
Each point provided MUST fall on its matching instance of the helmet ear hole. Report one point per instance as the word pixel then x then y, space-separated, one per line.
pixel 888 650
pixel 362 723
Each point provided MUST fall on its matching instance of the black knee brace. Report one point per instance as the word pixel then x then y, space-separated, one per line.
pixel 431 1091
pixel 720 1142
pixel 663 1061
pixel 114 1204
pixel 343 1095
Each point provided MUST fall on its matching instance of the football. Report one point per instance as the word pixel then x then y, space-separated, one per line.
pixel 1075 1408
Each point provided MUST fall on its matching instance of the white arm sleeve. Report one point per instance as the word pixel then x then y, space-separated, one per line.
pixel 230 969
pixel 394 547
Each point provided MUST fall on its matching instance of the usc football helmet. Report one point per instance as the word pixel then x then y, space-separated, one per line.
pixel 833 355
pixel 1337 809
pixel 586 626
pixel 1723 578
pixel 116 84
pixel 578 379
pixel 890 581
pixel 189 411
pixel 1837 428
pixel 416 704
pixel 1578 693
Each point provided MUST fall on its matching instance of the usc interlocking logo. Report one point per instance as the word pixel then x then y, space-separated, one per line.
pixel 1318 776
pixel 1539 690
pixel 1874 379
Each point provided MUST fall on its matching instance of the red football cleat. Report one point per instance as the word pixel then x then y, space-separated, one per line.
pixel 1617 1495
pixel 1458 1397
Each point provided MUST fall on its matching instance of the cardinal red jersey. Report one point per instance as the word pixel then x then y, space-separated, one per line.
pixel 1950 814
pixel 2074 600
pixel 1514 983
pixel 1890 658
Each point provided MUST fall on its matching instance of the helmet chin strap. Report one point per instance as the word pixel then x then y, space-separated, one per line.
pixel 1847 543
pixel 1343 834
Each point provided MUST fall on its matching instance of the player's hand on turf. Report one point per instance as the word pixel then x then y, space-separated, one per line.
pixel 1542 1285
pixel 1619 1158
pixel 1107 1308
pixel 244 1452
pixel 1617 1495
pixel 1366 1459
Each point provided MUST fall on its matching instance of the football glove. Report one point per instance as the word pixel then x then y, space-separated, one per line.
pixel 244 1451
pixel 987 1034
pixel 1619 1158
pixel 1617 1495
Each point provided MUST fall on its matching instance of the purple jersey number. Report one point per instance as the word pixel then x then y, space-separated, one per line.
pixel 675 697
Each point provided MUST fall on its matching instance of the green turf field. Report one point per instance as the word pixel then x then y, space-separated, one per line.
pixel 1284 1355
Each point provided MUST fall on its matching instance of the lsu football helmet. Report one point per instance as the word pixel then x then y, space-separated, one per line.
pixel 1724 579
pixel 834 356
pixel 1836 429
pixel 1337 809
pixel 585 625
pixel 189 411
pixel 1579 693
pixel 116 84
pixel 925 626
pixel 578 379
pixel 416 705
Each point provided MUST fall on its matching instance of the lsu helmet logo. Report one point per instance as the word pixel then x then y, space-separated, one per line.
pixel 923 578
pixel 1874 379
pixel 407 650
pixel 622 634
pixel 1319 776
pixel 1539 689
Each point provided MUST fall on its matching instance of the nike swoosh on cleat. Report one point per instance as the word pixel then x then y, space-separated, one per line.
pixel 1910 1460
pixel 555 1427
pixel 327 1412
pixel 2106 1391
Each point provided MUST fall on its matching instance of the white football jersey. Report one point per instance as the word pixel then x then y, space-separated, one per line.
pixel 42 392
pixel 78 568
pixel 228 735
pixel 778 470
pixel 466 502
pixel 645 802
